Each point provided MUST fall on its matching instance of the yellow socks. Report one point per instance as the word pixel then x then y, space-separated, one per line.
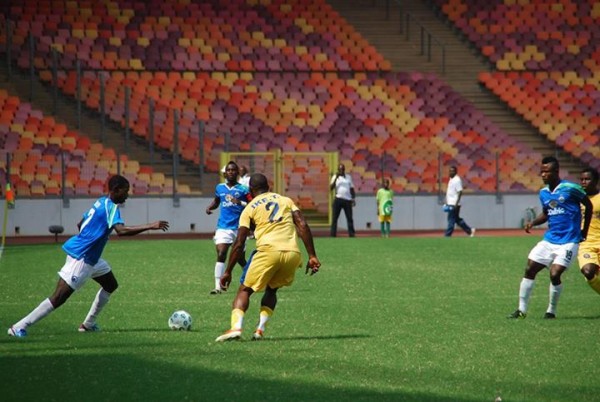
pixel 595 283
pixel 237 319
pixel 265 315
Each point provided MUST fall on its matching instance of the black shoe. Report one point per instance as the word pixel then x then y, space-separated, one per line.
pixel 550 316
pixel 517 314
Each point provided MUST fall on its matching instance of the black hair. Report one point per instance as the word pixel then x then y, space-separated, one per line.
pixel 592 172
pixel 116 182
pixel 232 163
pixel 258 181
pixel 551 160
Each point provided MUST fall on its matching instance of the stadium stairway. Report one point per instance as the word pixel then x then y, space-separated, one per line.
pixel 463 64
pixel 91 126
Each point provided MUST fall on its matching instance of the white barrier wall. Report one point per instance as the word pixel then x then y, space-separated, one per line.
pixel 33 217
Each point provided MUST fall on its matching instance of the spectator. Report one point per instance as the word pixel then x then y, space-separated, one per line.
pixel 345 199
pixel 385 207
pixel 452 207
pixel 244 176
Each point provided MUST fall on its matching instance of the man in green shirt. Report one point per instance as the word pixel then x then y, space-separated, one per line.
pixel 385 207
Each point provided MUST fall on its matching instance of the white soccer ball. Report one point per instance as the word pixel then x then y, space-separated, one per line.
pixel 180 321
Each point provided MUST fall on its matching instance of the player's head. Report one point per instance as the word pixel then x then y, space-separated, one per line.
pixel 258 184
pixel 452 171
pixel 118 188
pixel 386 183
pixel 243 170
pixel 341 169
pixel 232 171
pixel 589 180
pixel 549 170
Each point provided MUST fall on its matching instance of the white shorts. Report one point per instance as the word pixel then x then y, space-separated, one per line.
pixel 77 272
pixel 547 253
pixel 225 236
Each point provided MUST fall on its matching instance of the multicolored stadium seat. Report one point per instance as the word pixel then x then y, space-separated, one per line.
pixel 37 145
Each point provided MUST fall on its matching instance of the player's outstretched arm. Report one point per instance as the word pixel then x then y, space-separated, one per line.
pixel 213 205
pixel 540 219
pixel 123 230
pixel 306 235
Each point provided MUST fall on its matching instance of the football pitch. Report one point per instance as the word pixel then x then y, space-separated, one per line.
pixel 399 319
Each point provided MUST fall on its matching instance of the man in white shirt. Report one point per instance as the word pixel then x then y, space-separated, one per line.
pixel 345 197
pixel 244 176
pixel 453 195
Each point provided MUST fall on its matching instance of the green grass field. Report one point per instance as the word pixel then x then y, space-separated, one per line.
pixel 411 319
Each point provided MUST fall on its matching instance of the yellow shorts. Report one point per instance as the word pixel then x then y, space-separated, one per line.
pixel 385 218
pixel 273 268
pixel 588 254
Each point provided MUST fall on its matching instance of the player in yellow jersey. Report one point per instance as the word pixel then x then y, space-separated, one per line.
pixel 589 250
pixel 275 220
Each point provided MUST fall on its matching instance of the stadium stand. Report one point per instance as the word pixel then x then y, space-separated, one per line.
pixel 36 143
pixel 278 74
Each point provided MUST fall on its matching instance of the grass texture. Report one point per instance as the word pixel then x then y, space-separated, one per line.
pixel 411 319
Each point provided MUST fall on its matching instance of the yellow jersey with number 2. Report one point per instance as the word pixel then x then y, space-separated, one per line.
pixel 270 215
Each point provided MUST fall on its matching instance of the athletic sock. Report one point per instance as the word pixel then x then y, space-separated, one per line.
pixel 237 319
pixel 525 293
pixel 37 314
pixel 219 269
pixel 595 283
pixel 554 295
pixel 265 315
pixel 102 297
pixel 382 224
pixel 387 229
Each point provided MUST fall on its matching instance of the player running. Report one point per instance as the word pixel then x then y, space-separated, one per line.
pixel 277 257
pixel 232 197
pixel 561 208
pixel 84 261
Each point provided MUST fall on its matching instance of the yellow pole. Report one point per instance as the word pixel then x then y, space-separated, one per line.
pixel 4 227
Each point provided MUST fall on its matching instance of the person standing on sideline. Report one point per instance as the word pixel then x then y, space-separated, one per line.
pixel 385 207
pixel 84 261
pixel 453 196
pixel 277 222
pixel 345 198
pixel 589 250
pixel 561 207
pixel 244 176
pixel 232 197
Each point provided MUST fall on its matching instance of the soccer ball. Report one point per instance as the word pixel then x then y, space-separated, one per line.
pixel 180 321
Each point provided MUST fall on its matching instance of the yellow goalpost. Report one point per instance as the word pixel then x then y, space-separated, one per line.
pixel 302 176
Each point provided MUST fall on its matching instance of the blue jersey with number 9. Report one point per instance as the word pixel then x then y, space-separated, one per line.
pixel 274 227
pixel 97 224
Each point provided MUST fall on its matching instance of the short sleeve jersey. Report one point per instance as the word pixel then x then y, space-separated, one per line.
pixel 384 201
pixel 343 184
pixel 95 228
pixel 564 212
pixel 593 236
pixel 271 216
pixel 455 186
pixel 230 212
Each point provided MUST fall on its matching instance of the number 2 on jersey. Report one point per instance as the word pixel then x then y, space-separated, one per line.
pixel 274 208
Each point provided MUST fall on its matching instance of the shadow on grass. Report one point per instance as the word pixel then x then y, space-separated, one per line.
pixel 120 377
pixel 581 317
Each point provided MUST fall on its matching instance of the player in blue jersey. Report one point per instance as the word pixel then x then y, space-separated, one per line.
pixel 232 197
pixel 84 258
pixel 561 208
